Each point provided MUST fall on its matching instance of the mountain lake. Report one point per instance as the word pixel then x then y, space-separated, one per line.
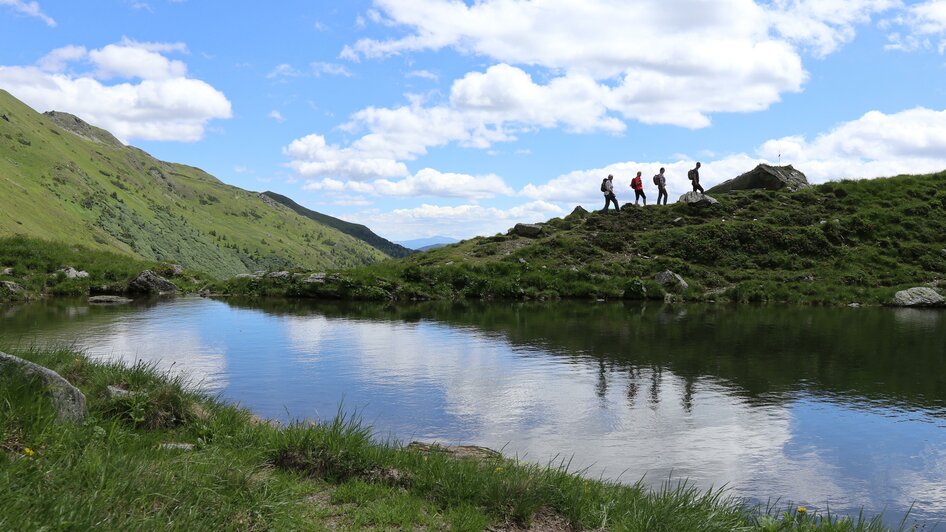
pixel 822 407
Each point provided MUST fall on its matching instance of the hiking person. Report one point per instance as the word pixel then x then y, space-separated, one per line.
pixel 638 185
pixel 694 176
pixel 661 181
pixel 607 186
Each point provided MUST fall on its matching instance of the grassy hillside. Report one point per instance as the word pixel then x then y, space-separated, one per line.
pixel 64 180
pixel 837 243
pixel 356 230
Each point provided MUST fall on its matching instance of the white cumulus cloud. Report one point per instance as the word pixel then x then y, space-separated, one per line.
pixel 30 9
pixel 155 101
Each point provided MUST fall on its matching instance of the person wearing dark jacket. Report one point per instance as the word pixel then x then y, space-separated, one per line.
pixel 694 176
pixel 661 181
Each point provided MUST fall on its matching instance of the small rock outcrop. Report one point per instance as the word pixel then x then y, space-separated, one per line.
pixel 9 288
pixel 671 281
pixel 109 300
pixel 696 199
pixel 456 451
pixel 149 282
pixel 318 278
pixel 9 271
pixel 72 273
pixel 527 230
pixel 578 212
pixel 77 126
pixel 278 275
pixel 67 399
pixel 920 296
pixel 765 177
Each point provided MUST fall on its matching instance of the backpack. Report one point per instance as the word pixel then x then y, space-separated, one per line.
pixel 657 180
pixel 604 185
pixel 691 174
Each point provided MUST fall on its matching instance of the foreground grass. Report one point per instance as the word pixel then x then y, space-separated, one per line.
pixel 110 472
pixel 836 243
pixel 35 265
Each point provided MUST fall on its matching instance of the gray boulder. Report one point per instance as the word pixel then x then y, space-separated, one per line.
pixel 10 288
pixel 696 199
pixel 149 282
pixel 527 230
pixel 671 281
pixel 278 275
pixel 109 300
pixel 920 296
pixel 9 271
pixel 72 273
pixel 114 392
pixel 68 400
pixel 765 177
pixel 318 277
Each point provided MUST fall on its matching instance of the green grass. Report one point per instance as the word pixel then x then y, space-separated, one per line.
pixel 103 195
pixel 109 472
pixel 36 263
pixel 837 243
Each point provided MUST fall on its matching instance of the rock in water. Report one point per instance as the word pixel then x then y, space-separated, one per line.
pixel 671 281
pixel 765 177
pixel 68 400
pixel 697 200
pixel 149 282
pixel 527 230
pixel 920 296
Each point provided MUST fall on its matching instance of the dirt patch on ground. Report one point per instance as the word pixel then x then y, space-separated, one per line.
pixel 545 520
pixel 456 451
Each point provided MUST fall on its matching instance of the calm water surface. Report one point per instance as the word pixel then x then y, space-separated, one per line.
pixel 822 407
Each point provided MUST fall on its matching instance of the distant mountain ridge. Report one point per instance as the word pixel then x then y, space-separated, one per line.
pixel 358 231
pixel 428 243
pixel 68 181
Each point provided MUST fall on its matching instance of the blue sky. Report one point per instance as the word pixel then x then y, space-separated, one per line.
pixel 424 117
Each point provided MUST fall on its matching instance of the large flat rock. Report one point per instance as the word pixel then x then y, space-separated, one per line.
pixel 765 177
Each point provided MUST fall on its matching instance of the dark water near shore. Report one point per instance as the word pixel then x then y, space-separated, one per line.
pixel 838 407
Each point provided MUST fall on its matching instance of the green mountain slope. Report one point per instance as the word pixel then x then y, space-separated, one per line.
pixel 837 243
pixel 356 230
pixel 64 180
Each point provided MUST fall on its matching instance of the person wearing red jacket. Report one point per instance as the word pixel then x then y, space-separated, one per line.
pixel 638 185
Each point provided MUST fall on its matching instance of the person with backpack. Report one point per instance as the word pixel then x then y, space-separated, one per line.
pixel 661 181
pixel 638 185
pixel 694 176
pixel 607 186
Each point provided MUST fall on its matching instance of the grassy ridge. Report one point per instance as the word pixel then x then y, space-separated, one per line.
pixel 837 243
pixel 356 230
pixel 110 472
pixel 80 185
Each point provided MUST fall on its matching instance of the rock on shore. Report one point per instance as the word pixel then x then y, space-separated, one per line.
pixel 920 296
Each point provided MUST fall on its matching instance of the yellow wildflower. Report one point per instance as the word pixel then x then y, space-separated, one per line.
pixel 499 470
pixel 29 452
pixel 802 510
